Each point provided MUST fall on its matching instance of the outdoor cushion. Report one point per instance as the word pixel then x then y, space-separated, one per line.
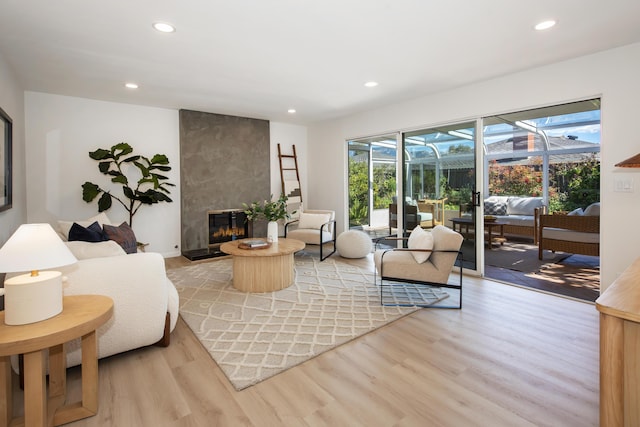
pixel 495 208
pixel 425 216
pixel 523 205
pixel 577 211
pixel 593 209
pixel 570 235
pixel 524 220
pixel 497 199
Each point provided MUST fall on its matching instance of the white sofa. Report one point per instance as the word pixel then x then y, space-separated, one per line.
pixel 141 292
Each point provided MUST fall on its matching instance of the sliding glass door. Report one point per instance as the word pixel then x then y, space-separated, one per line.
pixel 545 160
pixel 439 173
pixel 485 178
pixel 372 182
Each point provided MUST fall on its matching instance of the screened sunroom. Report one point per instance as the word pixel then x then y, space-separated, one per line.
pixel 552 152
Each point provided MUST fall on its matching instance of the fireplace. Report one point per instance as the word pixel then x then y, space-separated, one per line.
pixel 223 226
pixel 226 225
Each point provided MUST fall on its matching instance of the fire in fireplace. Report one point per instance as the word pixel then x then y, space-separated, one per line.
pixel 226 225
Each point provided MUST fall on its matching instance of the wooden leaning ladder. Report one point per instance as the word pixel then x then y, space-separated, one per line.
pixel 285 167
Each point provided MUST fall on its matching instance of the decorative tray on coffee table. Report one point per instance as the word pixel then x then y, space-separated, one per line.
pixel 254 244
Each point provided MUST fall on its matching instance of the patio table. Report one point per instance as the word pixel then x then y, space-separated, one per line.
pixel 467 223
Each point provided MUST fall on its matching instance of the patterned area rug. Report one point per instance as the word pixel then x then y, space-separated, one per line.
pixel 255 336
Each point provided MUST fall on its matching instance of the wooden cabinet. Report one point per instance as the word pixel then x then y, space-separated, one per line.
pixel 619 307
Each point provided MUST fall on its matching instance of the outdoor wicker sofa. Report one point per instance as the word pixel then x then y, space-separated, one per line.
pixel 519 215
pixel 574 234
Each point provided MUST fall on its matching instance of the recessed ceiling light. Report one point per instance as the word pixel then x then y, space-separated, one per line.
pixel 163 27
pixel 131 86
pixel 291 110
pixel 545 25
pixel 371 84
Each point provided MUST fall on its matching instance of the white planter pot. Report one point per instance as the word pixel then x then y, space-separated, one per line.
pixel 272 231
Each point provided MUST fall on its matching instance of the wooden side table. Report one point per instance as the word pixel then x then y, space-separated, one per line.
pixel 80 317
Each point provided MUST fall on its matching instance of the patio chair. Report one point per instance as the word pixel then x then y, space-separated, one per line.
pixel 436 207
pixel 413 216
pixel 426 265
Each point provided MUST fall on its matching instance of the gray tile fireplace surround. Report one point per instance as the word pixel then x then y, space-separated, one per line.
pixel 224 162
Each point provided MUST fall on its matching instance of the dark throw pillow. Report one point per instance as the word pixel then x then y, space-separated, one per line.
pixel 123 235
pixel 495 208
pixel 92 233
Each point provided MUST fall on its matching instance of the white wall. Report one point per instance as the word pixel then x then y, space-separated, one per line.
pixel 287 136
pixel 61 131
pixel 12 102
pixel 612 75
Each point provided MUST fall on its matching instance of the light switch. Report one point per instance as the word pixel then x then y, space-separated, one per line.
pixel 623 185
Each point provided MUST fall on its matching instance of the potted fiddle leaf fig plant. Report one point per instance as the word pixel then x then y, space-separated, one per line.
pixel 150 188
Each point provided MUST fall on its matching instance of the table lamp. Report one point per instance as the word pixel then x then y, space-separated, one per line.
pixel 35 296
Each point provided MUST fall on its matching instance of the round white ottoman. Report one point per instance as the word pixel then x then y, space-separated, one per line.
pixel 354 244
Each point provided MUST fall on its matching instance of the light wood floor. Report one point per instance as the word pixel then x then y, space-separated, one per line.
pixel 510 357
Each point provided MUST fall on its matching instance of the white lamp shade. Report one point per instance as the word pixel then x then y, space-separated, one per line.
pixel 34 247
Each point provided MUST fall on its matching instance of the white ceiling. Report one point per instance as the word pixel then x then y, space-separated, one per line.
pixel 258 58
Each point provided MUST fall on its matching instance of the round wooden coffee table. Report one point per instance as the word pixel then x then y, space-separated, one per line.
pixel 263 269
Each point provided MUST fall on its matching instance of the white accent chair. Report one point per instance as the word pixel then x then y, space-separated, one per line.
pixel 314 227
pixel 427 261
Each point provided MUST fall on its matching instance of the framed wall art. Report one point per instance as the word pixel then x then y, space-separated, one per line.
pixel 6 132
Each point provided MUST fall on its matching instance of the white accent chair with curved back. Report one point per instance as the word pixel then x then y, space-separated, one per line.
pixel 427 263
pixel 314 227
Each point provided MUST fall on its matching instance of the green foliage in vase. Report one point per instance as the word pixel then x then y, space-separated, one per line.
pixel 269 210
pixel 150 188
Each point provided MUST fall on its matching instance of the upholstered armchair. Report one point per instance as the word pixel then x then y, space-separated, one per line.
pixel 314 227
pixel 426 262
